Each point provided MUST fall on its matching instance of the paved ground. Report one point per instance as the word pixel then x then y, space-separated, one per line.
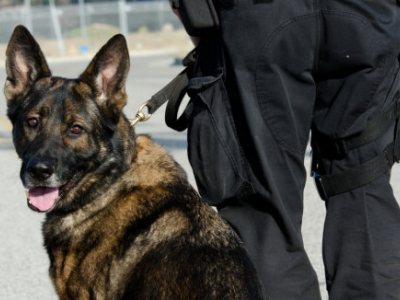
pixel 23 261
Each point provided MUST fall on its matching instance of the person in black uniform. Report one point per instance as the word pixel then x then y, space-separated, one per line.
pixel 272 72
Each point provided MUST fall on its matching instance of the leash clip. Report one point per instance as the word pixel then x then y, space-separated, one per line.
pixel 140 115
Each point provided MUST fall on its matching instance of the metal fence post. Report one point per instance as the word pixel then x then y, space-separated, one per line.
pixel 123 22
pixel 160 9
pixel 82 18
pixel 57 27
pixel 28 15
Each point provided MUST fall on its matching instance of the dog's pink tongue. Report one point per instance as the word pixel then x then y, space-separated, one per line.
pixel 43 198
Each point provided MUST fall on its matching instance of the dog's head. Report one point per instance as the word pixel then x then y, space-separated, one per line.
pixel 66 131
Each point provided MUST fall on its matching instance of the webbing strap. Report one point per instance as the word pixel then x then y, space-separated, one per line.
pixel 334 184
pixel 172 90
pixel 173 93
pixel 172 109
pixel 176 88
pixel 376 127
pixel 331 185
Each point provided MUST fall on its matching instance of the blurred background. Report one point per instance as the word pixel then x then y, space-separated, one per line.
pixel 80 27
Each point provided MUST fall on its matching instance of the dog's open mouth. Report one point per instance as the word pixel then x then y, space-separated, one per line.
pixel 43 199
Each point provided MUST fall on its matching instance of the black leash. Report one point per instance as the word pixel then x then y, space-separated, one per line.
pixel 173 93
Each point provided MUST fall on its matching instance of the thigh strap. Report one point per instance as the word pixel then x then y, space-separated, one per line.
pixel 323 147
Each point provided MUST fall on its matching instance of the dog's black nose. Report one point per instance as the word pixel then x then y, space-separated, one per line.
pixel 39 170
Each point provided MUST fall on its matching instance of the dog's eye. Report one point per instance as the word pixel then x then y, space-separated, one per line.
pixel 33 122
pixel 76 129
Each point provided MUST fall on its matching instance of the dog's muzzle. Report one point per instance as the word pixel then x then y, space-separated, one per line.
pixel 44 187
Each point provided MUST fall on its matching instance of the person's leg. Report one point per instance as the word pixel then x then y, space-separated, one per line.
pixel 362 244
pixel 358 59
pixel 269 52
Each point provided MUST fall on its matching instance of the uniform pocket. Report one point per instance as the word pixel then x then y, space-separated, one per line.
pixel 214 151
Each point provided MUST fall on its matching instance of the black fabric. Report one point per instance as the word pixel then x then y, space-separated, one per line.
pixel 198 17
pixel 288 66
pixel 225 4
pixel 361 175
pixel 222 175
pixel 376 127
pixel 337 183
pixel 397 132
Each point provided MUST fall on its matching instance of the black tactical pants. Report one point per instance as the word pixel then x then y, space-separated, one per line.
pixel 290 66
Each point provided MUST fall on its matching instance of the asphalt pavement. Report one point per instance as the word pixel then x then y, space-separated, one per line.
pixel 23 259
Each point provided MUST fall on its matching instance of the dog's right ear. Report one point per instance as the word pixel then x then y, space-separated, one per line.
pixel 25 64
pixel 106 75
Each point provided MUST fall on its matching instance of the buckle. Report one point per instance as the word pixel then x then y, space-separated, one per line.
pixel 320 186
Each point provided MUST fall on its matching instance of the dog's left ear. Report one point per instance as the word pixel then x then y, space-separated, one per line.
pixel 106 75
pixel 25 64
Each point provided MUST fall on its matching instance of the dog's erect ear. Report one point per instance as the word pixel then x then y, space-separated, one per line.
pixel 25 64
pixel 106 75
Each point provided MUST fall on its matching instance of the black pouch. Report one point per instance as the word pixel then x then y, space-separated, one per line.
pixel 214 150
pixel 199 17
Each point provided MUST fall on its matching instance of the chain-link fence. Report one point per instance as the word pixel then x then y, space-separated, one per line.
pixel 87 20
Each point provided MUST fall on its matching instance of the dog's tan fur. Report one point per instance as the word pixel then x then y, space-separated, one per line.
pixel 127 224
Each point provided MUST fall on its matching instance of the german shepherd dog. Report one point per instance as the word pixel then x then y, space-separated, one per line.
pixel 122 221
